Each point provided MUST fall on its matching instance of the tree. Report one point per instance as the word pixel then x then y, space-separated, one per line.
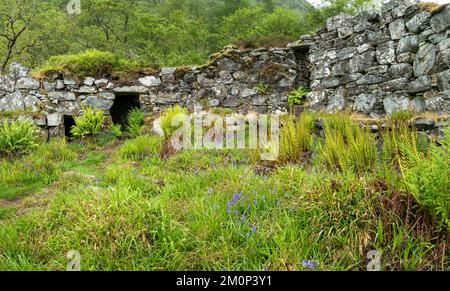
pixel 16 19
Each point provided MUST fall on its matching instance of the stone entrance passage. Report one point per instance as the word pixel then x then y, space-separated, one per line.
pixel 69 122
pixel 302 58
pixel 123 103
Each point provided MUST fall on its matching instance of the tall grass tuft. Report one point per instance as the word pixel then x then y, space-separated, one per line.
pixel 347 146
pixel 297 139
pixel 17 137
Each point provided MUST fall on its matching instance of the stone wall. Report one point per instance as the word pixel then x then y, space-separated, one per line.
pixel 229 80
pixel 377 64
pixel 370 63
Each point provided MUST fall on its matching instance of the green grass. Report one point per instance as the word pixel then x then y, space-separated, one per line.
pixel 91 63
pixel 213 210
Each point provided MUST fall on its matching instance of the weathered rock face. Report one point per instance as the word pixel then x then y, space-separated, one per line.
pixel 370 63
pixel 402 60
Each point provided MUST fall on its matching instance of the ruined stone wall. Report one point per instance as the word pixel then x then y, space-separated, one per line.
pixel 229 80
pixel 370 63
pixel 377 64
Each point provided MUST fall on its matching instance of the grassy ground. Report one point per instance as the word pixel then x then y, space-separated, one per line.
pixel 123 207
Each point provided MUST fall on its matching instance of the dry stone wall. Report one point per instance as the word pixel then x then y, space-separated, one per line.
pixel 370 63
pixel 378 64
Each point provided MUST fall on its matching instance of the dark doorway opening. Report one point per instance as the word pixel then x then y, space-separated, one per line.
pixel 122 106
pixel 69 122
pixel 302 58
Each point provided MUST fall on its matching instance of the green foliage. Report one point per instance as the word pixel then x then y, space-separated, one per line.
pixel 135 121
pixel 347 146
pixel 262 88
pixel 424 168
pixel 402 116
pixel 297 96
pixel 297 139
pixel 17 137
pixel 116 130
pixel 164 32
pixel 89 124
pixel 140 148
pixel 170 115
pixel 88 63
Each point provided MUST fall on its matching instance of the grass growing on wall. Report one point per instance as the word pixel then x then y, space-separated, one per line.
pixel 91 63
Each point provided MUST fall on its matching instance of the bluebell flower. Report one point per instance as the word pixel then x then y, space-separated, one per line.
pixel 253 227
pixel 244 218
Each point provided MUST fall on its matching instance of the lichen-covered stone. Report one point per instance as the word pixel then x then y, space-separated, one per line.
pixel 386 53
pixel 394 103
pixel 408 44
pixel 421 84
pixel 365 103
pixel 425 59
pixel 397 29
pixel 441 21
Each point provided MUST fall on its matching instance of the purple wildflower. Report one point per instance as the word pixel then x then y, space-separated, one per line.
pixel 253 227
pixel 244 218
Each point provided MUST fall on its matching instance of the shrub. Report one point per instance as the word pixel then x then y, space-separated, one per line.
pixel 135 122
pixel 92 63
pixel 89 124
pixel 17 137
pixel 296 138
pixel 347 146
pixel 167 118
pixel 140 148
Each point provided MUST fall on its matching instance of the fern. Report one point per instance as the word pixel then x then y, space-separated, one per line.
pixel 89 124
pixel 135 122
pixel 17 137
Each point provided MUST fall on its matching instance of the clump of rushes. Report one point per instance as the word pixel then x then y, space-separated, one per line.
pixel 297 139
pixel 347 146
